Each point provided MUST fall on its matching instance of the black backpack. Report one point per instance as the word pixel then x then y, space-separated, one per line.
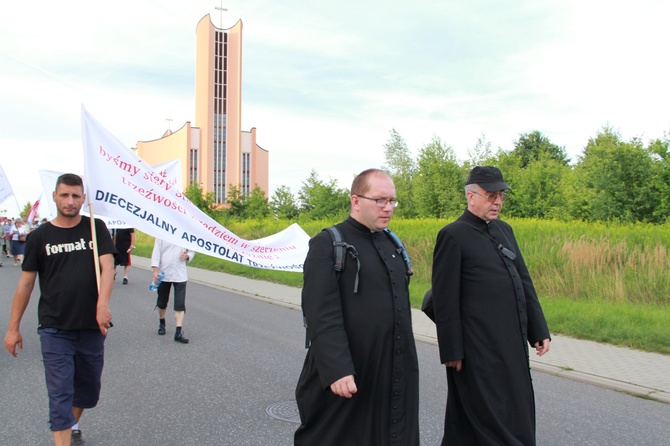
pixel 341 248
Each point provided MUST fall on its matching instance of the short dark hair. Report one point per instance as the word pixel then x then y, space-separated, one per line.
pixel 361 184
pixel 71 179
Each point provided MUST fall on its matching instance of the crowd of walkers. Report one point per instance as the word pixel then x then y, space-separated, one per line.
pixel 13 232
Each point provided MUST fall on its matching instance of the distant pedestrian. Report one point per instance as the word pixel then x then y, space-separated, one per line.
pixel 18 233
pixel 73 310
pixel 171 260
pixel 124 240
pixel 486 312
pixel 2 241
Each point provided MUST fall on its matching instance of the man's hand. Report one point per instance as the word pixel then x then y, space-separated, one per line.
pixel 104 318
pixel 344 387
pixel 14 342
pixel 542 347
pixel 458 364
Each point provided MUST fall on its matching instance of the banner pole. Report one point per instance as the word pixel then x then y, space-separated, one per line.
pixel 87 190
pixel 94 237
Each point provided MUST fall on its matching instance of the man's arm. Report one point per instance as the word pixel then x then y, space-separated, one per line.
pixel 446 286
pixel 13 339
pixel 322 306
pixel 103 313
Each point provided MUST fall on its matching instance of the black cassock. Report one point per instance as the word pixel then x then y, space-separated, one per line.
pixel 368 335
pixel 486 314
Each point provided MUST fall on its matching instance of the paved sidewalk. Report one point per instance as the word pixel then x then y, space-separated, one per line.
pixel 617 368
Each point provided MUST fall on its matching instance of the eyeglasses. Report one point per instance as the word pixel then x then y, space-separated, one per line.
pixel 492 197
pixel 381 202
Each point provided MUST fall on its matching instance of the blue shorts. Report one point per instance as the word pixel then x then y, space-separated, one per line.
pixel 179 295
pixel 73 362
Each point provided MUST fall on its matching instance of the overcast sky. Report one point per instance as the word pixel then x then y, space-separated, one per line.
pixel 325 82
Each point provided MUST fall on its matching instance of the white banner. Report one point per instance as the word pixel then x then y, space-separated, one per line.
pixel 121 185
pixel 169 170
pixel 5 188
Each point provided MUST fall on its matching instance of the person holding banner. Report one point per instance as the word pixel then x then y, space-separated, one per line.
pixel 171 260
pixel 73 309
pixel 360 380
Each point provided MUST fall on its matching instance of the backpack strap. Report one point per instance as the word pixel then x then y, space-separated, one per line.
pixel 341 248
pixel 400 248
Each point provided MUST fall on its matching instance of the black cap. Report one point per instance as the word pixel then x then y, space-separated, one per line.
pixel 488 178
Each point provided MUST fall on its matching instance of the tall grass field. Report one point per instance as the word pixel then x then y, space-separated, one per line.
pixel 597 281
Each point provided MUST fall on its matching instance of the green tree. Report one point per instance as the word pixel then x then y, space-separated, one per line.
pixel 236 202
pixel 203 201
pixel 660 152
pixel 401 167
pixel 257 206
pixel 246 207
pixel 321 200
pixel 534 146
pixel 438 185
pixel 536 189
pixel 26 211
pixel 283 204
pixel 481 154
pixel 618 179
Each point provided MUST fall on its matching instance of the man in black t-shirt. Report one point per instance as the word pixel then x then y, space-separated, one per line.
pixel 73 310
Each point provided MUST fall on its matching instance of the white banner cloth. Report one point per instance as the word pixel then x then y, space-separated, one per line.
pixel 122 186
pixel 5 188
pixel 169 170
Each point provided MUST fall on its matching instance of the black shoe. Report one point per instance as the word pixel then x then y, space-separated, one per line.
pixel 161 330
pixel 125 281
pixel 179 337
pixel 77 439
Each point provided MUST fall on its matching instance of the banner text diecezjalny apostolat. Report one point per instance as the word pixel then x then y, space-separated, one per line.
pixel 121 185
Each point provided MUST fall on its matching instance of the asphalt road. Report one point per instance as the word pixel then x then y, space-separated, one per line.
pixel 244 359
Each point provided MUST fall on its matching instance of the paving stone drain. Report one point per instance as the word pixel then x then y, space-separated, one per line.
pixel 285 411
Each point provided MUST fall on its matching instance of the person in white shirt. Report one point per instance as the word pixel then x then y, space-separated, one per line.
pixel 19 233
pixel 171 260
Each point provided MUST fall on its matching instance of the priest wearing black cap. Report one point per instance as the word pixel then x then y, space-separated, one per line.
pixel 487 314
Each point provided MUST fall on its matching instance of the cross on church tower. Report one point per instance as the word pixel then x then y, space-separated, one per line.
pixel 169 120
pixel 221 9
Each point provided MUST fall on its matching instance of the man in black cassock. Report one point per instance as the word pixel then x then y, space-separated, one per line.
pixel 486 311
pixel 360 381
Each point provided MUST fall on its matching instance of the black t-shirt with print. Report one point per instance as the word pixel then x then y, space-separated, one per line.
pixel 63 258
